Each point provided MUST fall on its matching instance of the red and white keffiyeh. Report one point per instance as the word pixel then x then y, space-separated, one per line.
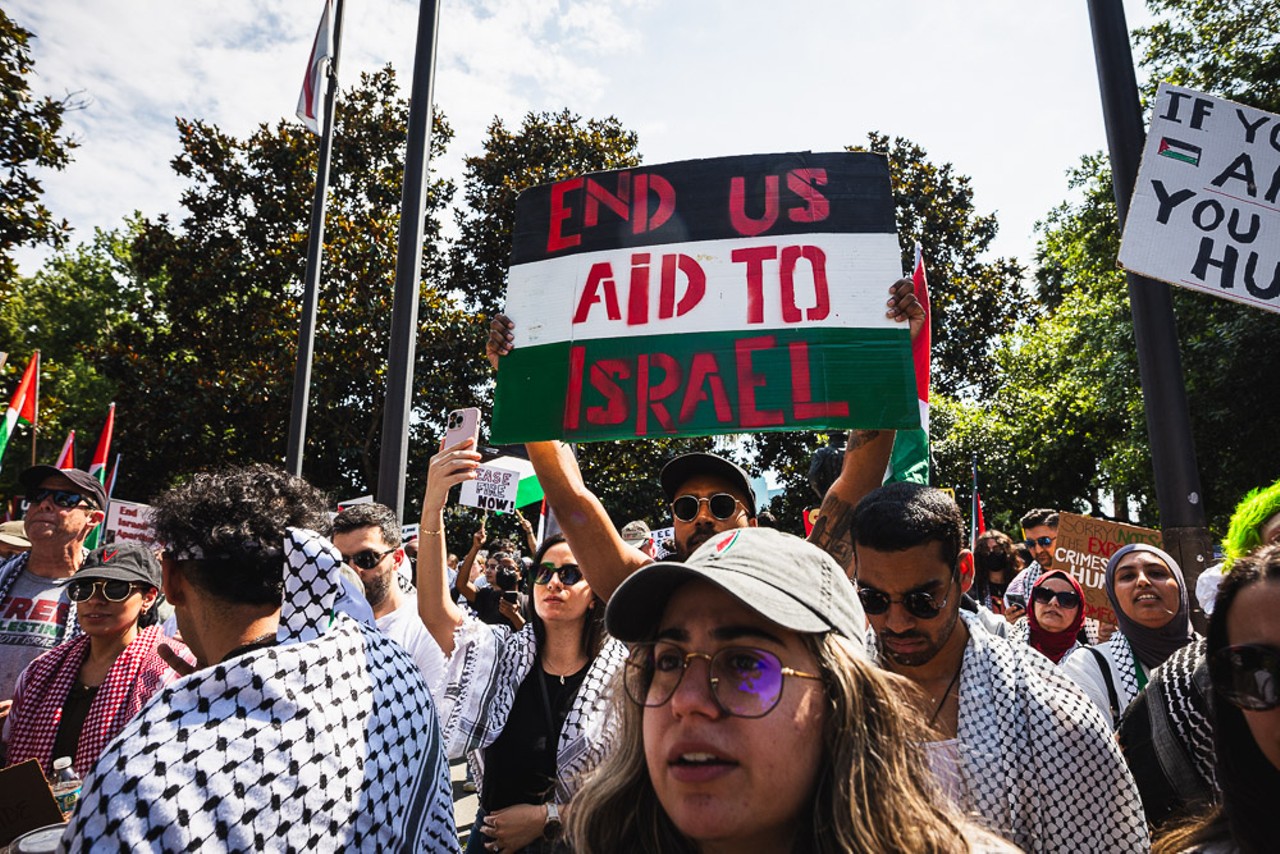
pixel 138 673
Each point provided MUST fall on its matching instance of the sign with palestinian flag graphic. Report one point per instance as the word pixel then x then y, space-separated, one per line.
pixel 729 295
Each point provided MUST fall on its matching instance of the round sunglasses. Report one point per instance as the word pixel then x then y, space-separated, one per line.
pixel 745 682
pixel 1066 598
pixel 919 604
pixel 1248 676
pixel 570 574
pixel 113 589
pixel 367 559
pixel 722 506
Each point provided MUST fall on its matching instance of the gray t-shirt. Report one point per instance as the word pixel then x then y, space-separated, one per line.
pixel 33 620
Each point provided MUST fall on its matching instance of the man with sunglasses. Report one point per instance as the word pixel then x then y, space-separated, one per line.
pixel 369 538
pixel 1014 740
pixel 63 506
pixel 1040 535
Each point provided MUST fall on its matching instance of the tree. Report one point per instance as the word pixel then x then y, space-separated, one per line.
pixel 30 136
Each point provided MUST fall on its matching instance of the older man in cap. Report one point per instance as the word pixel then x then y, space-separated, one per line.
pixel 64 506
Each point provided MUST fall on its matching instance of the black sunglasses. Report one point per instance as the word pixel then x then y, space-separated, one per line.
pixel 113 589
pixel 1248 676
pixel 1034 541
pixel 570 574
pixel 722 506
pixel 61 497
pixel 918 603
pixel 1066 598
pixel 368 558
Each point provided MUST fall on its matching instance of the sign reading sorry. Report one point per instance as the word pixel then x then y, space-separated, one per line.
pixel 1084 546
pixel 1206 207
pixel 738 294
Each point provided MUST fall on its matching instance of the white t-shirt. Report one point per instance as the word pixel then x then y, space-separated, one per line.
pixel 405 627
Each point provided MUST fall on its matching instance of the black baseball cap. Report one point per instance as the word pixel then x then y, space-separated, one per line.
pixel 685 466
pixel 83 481
pixel 125 561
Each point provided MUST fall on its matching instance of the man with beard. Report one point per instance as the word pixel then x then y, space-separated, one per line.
pixel 1014 740
pixel 368 536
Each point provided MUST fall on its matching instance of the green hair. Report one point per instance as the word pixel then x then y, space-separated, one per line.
pixel 1246 522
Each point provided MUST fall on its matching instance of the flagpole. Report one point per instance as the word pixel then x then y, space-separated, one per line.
pixel 311 280
pixel 35 409
pixel 404 313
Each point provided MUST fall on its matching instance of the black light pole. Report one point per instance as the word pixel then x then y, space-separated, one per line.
pixel 1164 394
pixel 311 279
pixel 404 311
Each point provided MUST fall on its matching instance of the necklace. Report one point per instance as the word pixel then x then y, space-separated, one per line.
pixel 559 676
pixel 943 699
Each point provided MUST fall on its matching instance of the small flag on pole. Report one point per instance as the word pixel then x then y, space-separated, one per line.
pixel 316 81
pixel 910 458
pixel 98 469
pixel 22 406
pixel 977 524
pixel 67 456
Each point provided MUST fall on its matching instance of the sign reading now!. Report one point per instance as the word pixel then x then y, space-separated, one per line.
pixel 736 294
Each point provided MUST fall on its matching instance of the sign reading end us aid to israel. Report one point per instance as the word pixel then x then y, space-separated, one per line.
pixel 730 295
pixel 1205 212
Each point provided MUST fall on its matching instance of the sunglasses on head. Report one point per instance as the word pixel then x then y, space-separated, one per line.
pixel 722 506
pixel 918 603
pixel 1248 676
pixel 64 498
pixel 1066 598
pixel 113 589
pixel 569 574
pixel 1038 541
pixel 745 682
pixel 368 558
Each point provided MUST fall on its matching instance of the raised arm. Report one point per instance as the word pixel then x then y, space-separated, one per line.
pixel 464 583
pixel 529 536
pixel 439 612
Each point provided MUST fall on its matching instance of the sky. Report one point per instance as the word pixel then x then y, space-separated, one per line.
pixel 1005 90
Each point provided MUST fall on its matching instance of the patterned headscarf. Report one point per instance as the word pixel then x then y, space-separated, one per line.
pixel 1152 646
pixel 1055 644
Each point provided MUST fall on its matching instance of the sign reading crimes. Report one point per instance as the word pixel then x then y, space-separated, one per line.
pixel 736 294
pixel 1084 546
pixel 493 489
pixel 1206 208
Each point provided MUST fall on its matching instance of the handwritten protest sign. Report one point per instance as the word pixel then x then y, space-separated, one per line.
pixel 737 294
pixel 493 489
pixel 129 522
pixel 1084 546
pixel 1206 207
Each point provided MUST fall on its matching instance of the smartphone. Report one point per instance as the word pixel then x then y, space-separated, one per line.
pixel 1013 600
pixel 462 424
pixel 511 596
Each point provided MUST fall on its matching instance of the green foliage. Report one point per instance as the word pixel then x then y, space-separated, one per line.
pixel 30 136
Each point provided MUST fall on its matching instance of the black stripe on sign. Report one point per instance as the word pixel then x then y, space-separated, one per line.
pixel 714 199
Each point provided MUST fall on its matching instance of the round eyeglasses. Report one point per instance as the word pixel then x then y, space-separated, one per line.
pixel 722 506
pixel 113 589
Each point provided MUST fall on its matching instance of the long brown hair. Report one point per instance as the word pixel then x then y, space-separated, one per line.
pixel 874 790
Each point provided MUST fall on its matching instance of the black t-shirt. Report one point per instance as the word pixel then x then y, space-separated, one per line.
pixel 487 607
pixel 74 712
pixel 520 766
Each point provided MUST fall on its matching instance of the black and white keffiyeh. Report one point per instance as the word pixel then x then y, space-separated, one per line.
pixel 486 669
pixel 1038 763
pixel 327 741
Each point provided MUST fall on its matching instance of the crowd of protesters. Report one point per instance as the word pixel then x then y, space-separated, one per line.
pixel 283 677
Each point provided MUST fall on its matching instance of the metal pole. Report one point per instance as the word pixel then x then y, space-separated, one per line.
pixel 1164 393
pixel 404 312
pixel 315 255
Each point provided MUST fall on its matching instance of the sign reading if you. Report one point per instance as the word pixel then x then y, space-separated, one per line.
pixel 1206 208
pixel 738 294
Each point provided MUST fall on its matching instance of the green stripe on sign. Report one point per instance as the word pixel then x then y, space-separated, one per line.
pixel 707 384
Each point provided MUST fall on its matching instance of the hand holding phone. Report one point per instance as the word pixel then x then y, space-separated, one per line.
pixel 462 424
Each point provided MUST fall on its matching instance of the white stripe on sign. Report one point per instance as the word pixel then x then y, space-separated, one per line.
pixel 824 280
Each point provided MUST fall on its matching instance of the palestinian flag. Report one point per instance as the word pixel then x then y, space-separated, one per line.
pixel 67 456
pixel 22 406
pixel 1184 151
pixel 910 458
pixel 98 469
pixel 728 295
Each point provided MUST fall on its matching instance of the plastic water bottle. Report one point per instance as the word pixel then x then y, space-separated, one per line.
pixel 66 784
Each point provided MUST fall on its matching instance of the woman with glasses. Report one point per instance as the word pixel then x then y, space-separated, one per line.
pixel 528 708
pixel 1054 617
pixel 1244 665
pixel 754 720
pixel 74 699
pixel 1149 598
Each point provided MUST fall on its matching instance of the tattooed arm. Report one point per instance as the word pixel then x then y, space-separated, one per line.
pixel 865 459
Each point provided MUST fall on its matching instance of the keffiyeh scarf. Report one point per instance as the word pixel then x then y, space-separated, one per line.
pixel 327 741
pixel 486 669
pixel 137 673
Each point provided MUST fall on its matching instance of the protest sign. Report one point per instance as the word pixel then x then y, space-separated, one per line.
pixel 352 502
pixel 662 536
pixel 129 522
pixel 736 294
pixel 1206 207
pixel 1084 546
pixel 493 489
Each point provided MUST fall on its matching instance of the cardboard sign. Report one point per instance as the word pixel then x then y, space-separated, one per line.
pixel 731 295
pixel 1084 546
pixel 493 489
pixel 1206 207
pixel 129 522
pixel 26 802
